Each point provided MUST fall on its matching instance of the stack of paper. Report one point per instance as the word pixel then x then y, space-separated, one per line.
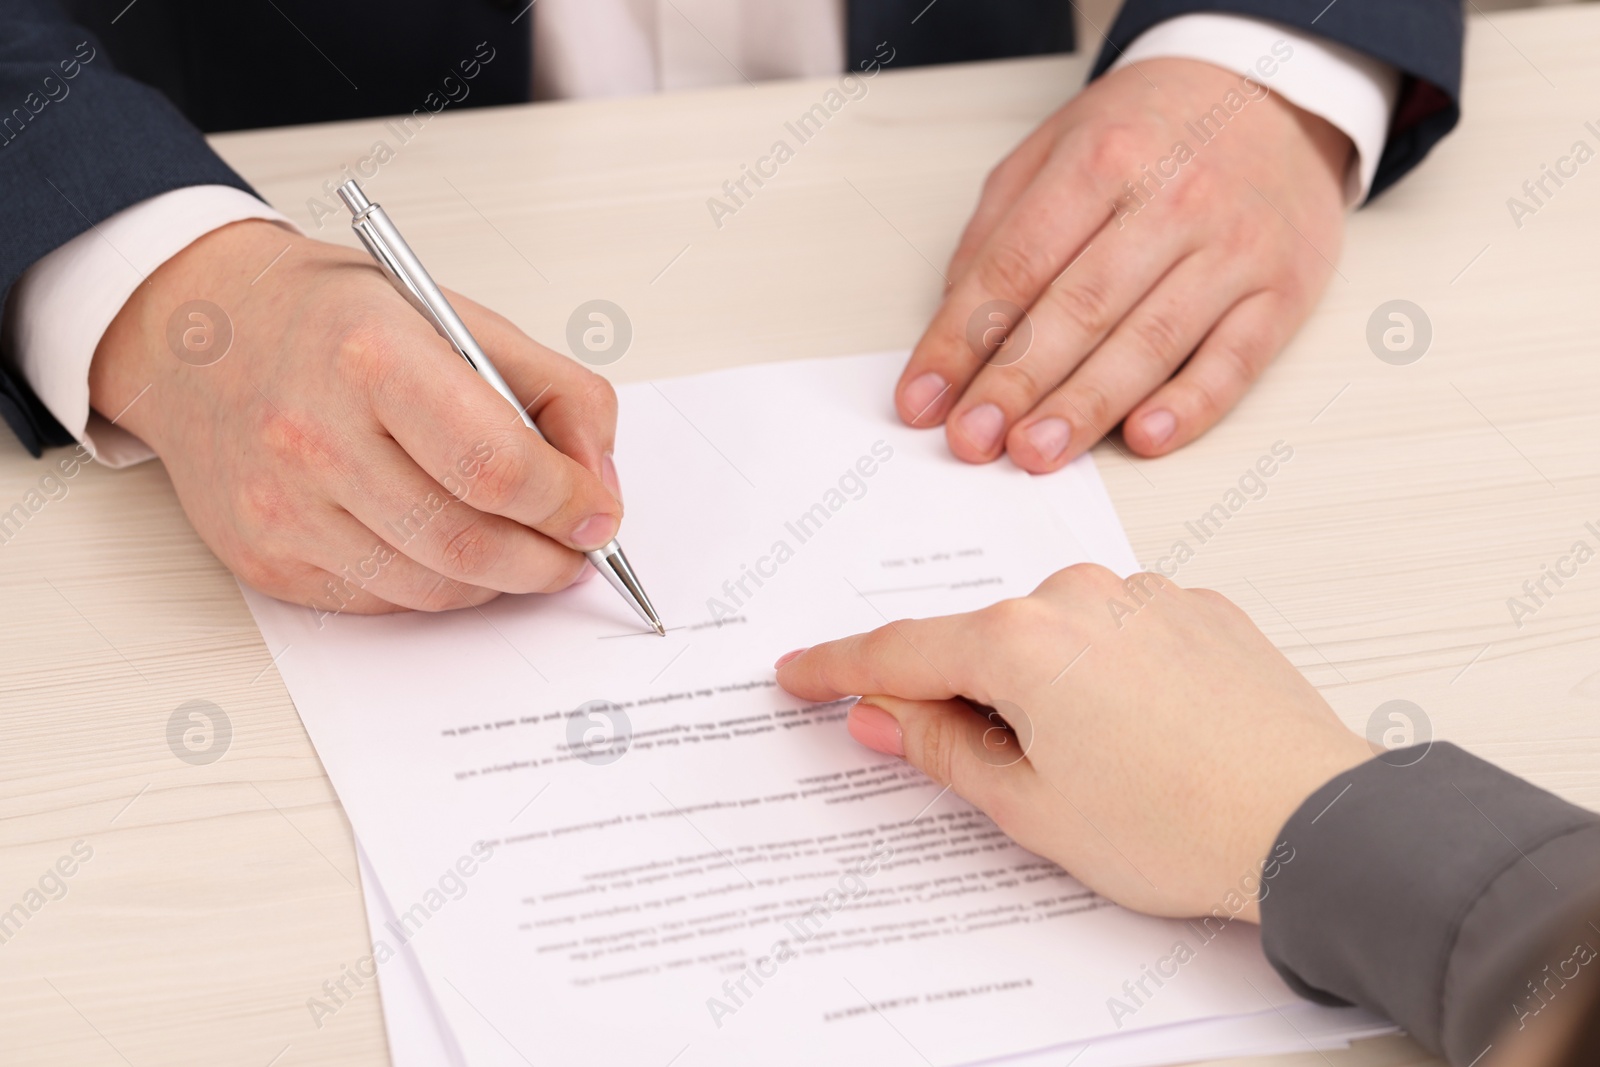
pixel 586 844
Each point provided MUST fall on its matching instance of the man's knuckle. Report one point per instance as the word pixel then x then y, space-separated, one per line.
pixel 368 350
pixel 291 442
pixel 1233 364
pixel 1300 283
pixel 1246 244
pixel 263 503
pixel 1194 195
pixel 1024 382
pixel 1206 396
pixel 1010 270
pixel 1087 303
pixel 502 477
pixel 277 540
pixel 1158 338
pixel 593 391
pixel 365 335
pixel 1113 154
pixel 470 549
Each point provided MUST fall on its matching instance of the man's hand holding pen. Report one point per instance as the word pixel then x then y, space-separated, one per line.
pixel 341 454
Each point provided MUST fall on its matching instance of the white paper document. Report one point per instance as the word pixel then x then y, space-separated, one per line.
pixel 585 843
pixel 417 1038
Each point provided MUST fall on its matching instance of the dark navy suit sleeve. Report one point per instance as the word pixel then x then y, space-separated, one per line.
pixel 78 143
pixel 1422 39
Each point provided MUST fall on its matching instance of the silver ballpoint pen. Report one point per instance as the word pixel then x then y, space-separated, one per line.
pixel 409 276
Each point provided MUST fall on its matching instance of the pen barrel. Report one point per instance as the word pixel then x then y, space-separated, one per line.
pixel 406 272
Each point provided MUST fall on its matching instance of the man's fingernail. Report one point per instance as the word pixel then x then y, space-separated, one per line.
pixel 877 729
pixel 608 475
pixel 982 425
pixel 786 657
pixel 921 394
pixel 1049 437
pixel 595 532
pixel 1159 425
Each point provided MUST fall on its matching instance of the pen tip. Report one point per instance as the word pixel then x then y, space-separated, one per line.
pixel 660 629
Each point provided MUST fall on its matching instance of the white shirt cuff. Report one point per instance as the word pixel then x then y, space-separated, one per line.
pixel 1353 92
pixel 63 304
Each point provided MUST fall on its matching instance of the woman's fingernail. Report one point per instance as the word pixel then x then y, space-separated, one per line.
pixel 1159 425
pixel 1049 437
pixel 608 475
pixel 786 657
pixel 982 425
pixel 595 532
pixel 877 729
pixel 922 393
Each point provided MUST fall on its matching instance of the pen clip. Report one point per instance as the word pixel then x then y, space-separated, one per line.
pixel 390 266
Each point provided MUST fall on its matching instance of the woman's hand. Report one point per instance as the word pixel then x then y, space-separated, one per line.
pixel 1158 740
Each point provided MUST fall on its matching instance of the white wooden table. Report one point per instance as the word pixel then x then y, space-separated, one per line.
pixel 220 897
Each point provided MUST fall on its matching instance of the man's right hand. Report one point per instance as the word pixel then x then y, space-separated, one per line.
pixel 340 454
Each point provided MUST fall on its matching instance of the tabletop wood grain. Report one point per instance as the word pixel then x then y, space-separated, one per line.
pixel 219 897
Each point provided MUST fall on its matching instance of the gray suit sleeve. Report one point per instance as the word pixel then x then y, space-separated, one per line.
pixel 1424 885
